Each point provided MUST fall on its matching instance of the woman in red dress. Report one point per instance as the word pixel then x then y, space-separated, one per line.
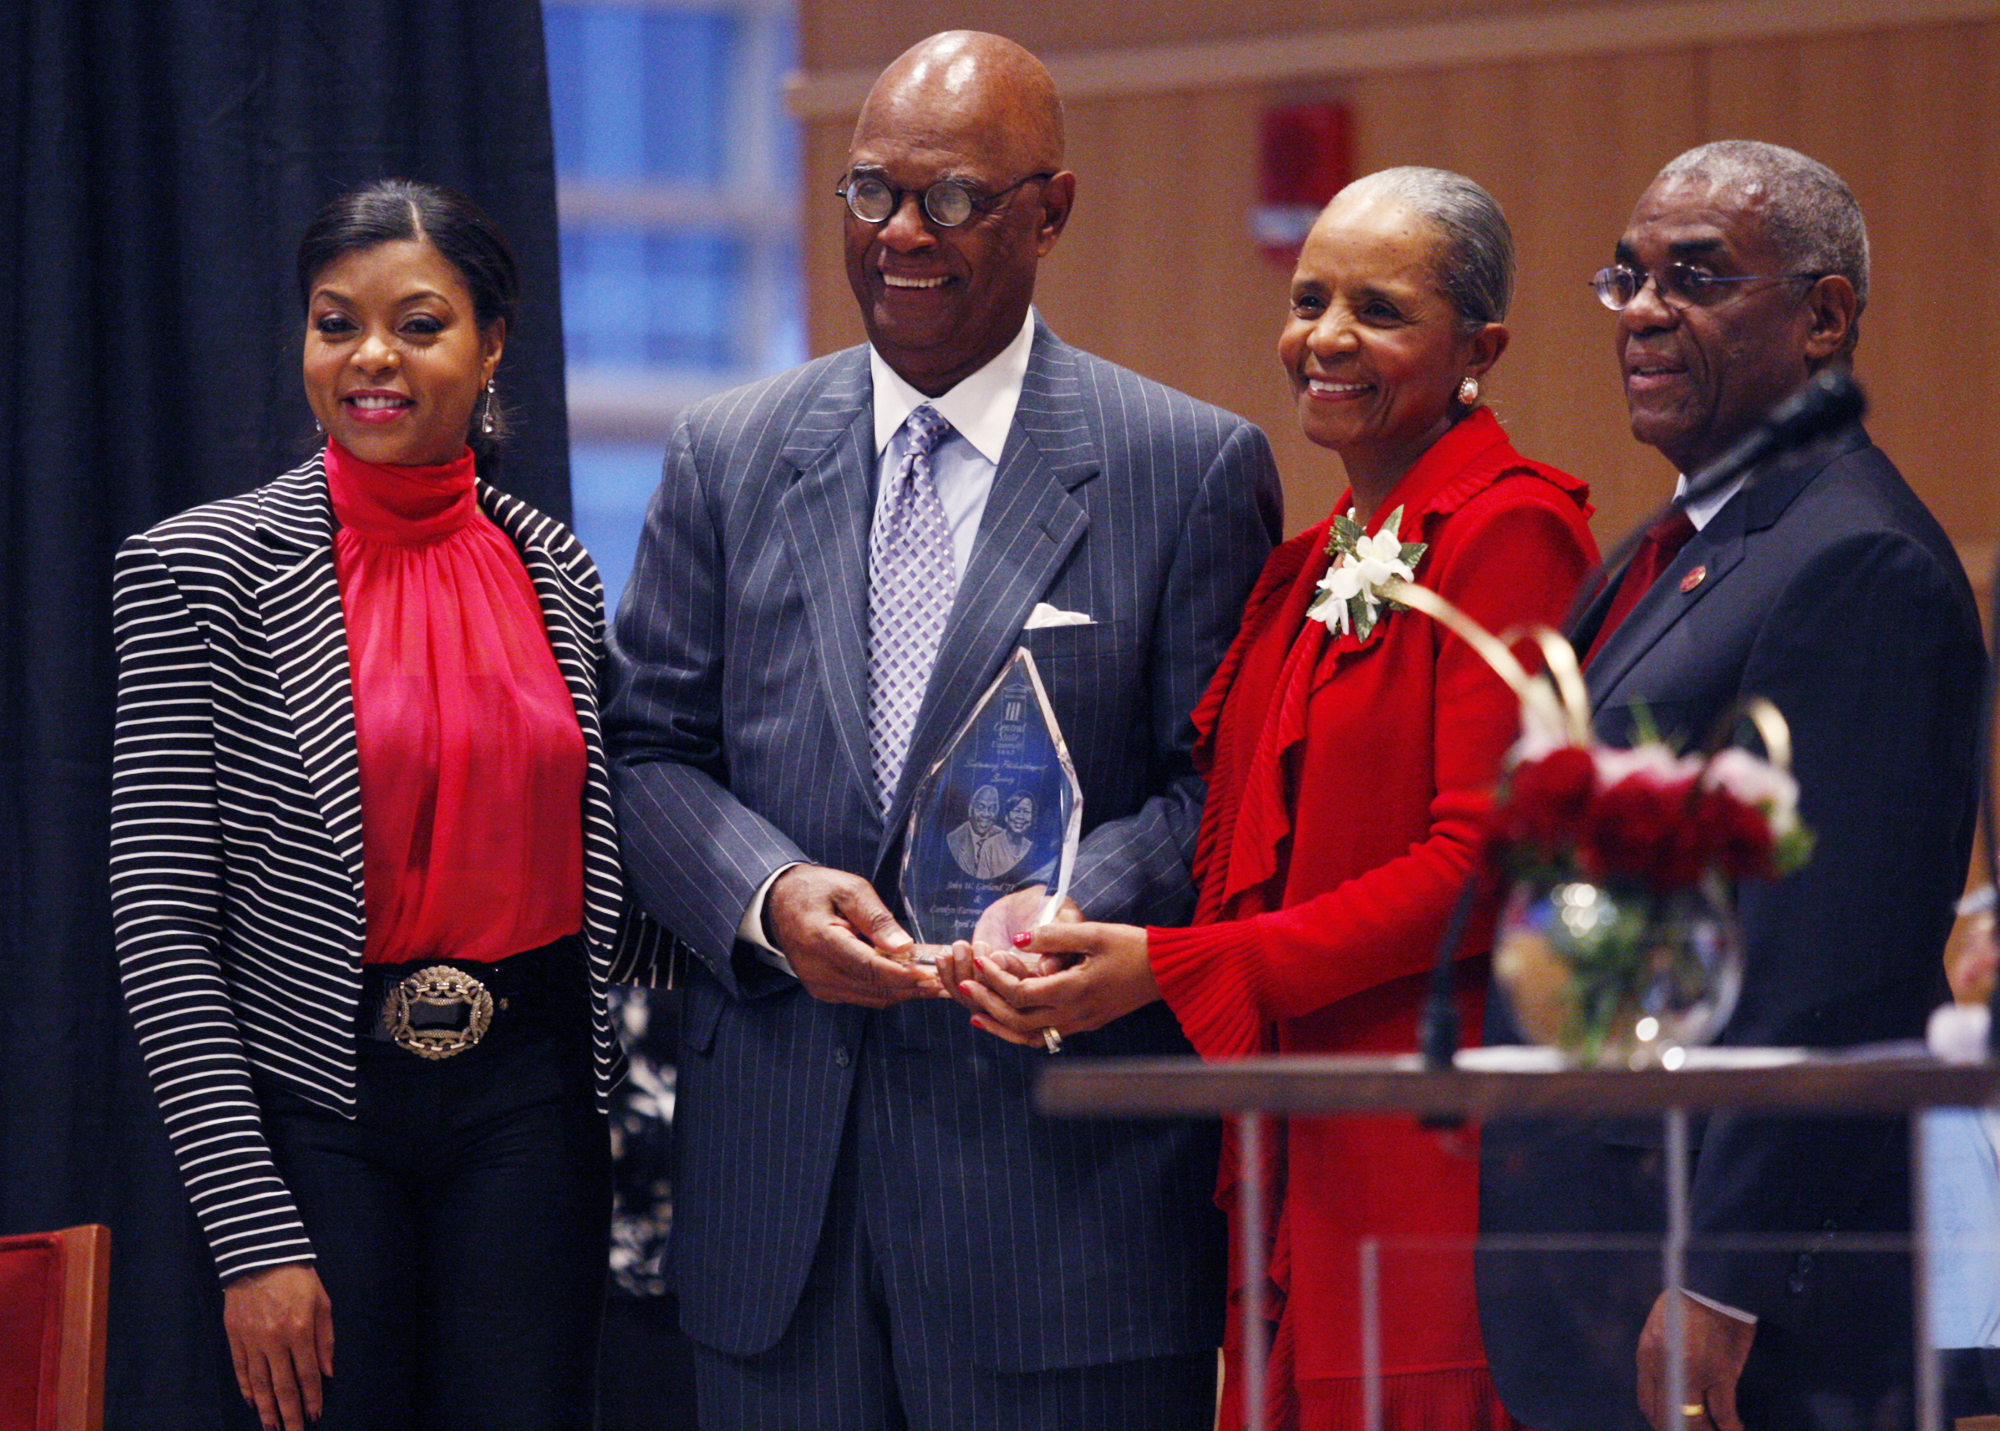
pixel 1350 748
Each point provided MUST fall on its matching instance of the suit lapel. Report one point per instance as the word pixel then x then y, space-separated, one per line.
pixel 1717 548
pixel 568 601
pixel 572 605
pixel 300 609
pixel 1031 524
pixel 825 515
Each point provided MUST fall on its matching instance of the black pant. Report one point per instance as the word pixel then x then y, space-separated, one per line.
pixel 461 1223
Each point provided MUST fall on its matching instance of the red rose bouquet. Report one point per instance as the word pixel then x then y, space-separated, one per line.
pixel 1617 943
pixel 1648 818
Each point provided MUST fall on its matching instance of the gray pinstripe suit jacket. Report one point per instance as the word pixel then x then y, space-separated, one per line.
pixel 737 724
pixel 236 884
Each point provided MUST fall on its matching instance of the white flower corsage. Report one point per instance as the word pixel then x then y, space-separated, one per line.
pixel 1350 594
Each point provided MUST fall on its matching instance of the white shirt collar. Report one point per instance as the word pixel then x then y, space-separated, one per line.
pixel 979 407
pixel 1703 512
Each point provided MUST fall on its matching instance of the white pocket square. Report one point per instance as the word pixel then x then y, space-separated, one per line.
pixel 1045 615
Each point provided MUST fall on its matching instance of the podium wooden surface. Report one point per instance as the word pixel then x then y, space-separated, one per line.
pixel 1883 1079
pixel 1886 1080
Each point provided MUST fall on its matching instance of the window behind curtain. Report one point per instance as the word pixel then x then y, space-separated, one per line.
pixel 677 180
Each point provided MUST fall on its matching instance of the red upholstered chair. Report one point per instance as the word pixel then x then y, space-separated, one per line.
pixel 53 1288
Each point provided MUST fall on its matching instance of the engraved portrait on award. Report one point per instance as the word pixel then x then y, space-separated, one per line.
pixel 999 810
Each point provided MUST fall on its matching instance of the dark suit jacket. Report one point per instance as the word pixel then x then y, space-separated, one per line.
pixel 236 882
pixel 1830 590
pixel 739 737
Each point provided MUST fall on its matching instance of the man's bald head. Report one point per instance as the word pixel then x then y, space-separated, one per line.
pixel 941 300
pixel 964 79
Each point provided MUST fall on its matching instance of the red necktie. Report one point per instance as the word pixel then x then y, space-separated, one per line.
pixel 1664 540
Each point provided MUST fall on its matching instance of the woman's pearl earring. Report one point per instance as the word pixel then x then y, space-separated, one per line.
pixel 1468 390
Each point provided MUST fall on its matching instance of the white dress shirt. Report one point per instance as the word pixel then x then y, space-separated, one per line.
pixel 1703 512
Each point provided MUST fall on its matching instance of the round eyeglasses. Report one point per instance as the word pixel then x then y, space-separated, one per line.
pixel 1680 285
pixel 948 202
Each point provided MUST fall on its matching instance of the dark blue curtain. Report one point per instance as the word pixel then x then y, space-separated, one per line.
pixel 159 158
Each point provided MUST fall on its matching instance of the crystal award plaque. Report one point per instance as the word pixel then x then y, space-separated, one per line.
pixel 999 811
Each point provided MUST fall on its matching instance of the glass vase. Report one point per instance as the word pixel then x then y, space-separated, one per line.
pixel 1618 976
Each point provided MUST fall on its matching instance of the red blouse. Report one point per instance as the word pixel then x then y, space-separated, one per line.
pixel 1348 785
pixel 472 762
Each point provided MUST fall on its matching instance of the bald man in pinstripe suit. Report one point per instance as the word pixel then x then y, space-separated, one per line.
pixel 873 1227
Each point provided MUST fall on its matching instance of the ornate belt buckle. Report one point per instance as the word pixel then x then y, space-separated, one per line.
pixel 439 1011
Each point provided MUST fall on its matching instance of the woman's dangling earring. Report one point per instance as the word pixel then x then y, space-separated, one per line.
pixel 486 411
pixel 319 426
pixel 1468 390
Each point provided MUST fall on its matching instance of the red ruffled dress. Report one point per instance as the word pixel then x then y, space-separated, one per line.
pixel 1347 788
pixel 471 759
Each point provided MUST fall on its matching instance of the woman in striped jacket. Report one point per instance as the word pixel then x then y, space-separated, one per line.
pixel 364 872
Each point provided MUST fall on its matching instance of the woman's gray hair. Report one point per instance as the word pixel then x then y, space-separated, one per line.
pixel 1475 262
pixel 1809 213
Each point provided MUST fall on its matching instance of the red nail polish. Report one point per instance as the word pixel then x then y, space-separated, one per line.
pixel 1023 939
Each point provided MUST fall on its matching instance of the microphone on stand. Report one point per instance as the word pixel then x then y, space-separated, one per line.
pixel 1440 1030
pixel 1991 858
pixel 1826 403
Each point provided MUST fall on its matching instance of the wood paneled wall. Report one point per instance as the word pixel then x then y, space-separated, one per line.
pixel 1157 269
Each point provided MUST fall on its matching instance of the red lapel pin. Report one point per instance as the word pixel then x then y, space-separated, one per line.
pixel 1693 579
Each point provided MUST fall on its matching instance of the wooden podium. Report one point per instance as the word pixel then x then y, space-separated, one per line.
pixel 1885 1079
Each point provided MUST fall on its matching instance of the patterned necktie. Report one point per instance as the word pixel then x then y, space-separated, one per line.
pixel 911 580
pixel 1656 553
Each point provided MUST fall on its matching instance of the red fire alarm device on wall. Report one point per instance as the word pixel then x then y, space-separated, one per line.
pixel 1305 157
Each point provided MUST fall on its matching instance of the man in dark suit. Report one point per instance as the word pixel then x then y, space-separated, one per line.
pixel 872 1225
pixel 1823 585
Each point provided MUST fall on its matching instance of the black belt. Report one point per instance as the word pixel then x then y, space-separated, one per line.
pixel 436 1008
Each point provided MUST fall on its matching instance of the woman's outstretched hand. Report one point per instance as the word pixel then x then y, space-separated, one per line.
pixel 280 1327
pixel 1094 973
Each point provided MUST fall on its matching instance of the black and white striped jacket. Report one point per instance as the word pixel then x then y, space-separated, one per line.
pixel 236 882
